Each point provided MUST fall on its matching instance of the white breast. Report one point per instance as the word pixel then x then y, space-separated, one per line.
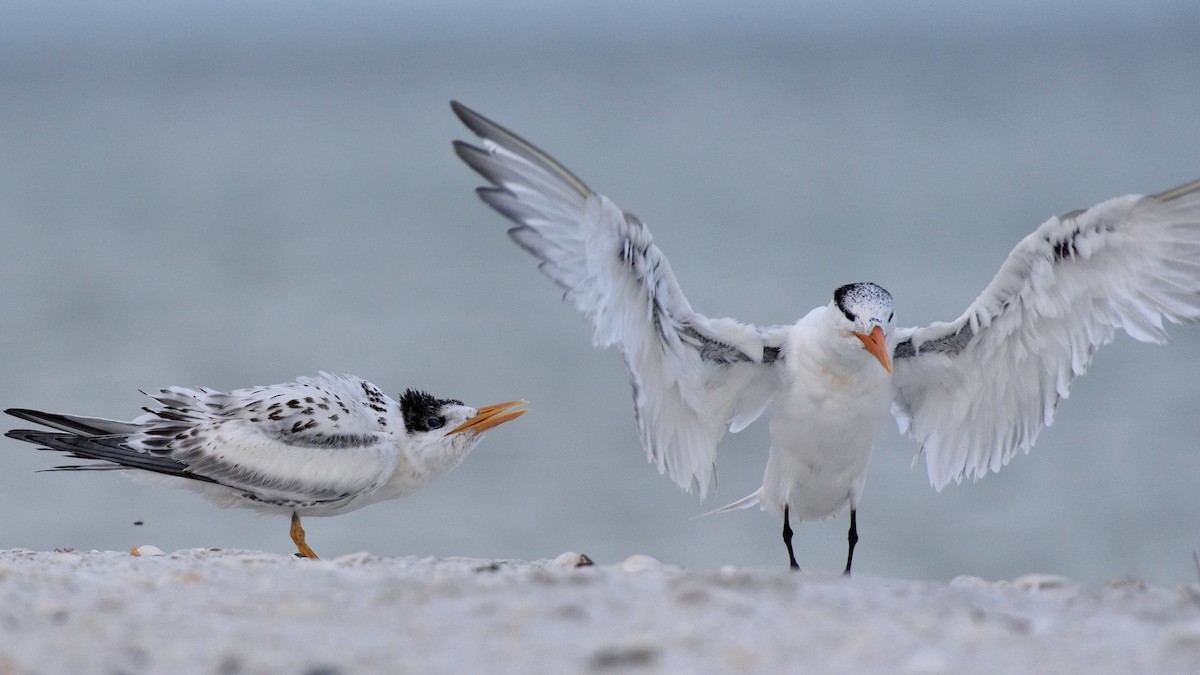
pixel 824 424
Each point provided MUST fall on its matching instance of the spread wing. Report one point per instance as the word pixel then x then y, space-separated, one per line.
pixel 975 391
pixel 692 376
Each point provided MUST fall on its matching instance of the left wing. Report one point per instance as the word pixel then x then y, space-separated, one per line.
pixel 975 391
pixel 692 376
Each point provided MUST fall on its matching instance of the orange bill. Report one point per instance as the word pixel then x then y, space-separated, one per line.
pixel 491 416
pixel 874 344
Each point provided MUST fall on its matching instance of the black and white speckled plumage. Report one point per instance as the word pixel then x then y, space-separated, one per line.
pixel 317 446
pixel 852 299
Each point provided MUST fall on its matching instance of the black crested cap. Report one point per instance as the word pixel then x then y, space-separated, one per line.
pixel 858 293
pixel 418 407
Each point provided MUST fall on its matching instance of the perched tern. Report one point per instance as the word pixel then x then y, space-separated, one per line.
pixel 971 392
pixel 319 446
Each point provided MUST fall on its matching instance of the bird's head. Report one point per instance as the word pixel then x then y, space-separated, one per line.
pixel 446 429
pixel 867 314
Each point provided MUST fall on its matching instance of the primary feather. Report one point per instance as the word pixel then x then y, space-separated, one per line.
pixel 976 391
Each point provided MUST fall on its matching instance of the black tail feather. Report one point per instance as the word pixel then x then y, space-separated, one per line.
pixel 110 448
pixel 74 424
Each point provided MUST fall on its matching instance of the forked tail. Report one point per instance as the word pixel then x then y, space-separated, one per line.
pixel 743 503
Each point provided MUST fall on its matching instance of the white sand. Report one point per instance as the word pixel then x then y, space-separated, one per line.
pixel 244 612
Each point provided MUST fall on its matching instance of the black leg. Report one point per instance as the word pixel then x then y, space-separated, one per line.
pixel 787 538
pixel 852 537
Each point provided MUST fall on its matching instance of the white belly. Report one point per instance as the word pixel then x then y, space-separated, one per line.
pixel 822 434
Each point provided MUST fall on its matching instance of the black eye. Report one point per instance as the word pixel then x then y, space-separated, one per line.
pixel 891 316
pixel 435 422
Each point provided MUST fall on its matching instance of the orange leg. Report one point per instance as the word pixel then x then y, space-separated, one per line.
pixel 298 538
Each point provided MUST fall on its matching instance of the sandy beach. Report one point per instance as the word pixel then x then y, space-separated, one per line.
pixel 229 611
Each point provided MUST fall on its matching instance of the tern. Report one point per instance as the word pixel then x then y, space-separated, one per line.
pixel 972 392
pixel 319 446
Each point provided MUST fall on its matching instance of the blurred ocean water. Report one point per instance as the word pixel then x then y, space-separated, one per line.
pixel 230 217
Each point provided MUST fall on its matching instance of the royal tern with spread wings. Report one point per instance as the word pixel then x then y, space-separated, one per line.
pixel 972 392
pixel 319 446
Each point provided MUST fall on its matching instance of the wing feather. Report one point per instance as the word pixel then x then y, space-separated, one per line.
pixel 312 440
pixel 977 390
pixel 692 377
pixel 102 448
pixel 74 424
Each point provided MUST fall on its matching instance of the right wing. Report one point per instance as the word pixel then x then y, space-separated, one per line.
pixel 692 376
pixel 976 391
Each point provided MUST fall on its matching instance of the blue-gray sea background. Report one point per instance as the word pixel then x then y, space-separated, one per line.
pixel 224 195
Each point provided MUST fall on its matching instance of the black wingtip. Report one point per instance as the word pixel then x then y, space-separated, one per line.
pixel 474 121
pixel 464 149
pixel 35 416
pixel 1177 192
pixel 19 434
pixel 40 437
pixel 476 158
pixel 490 131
